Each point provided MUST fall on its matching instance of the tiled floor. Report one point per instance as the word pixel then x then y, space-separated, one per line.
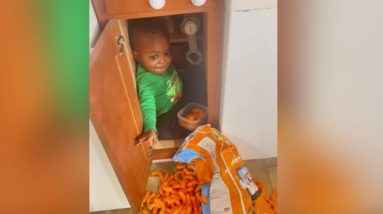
pixel 263 169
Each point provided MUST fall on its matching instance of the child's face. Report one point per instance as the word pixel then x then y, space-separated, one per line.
pixel 153 52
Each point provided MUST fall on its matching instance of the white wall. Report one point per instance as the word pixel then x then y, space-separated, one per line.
pixel 105 192
pixel 93 25
pixel 249 90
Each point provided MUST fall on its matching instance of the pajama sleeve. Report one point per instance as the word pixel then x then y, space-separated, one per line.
pixel 148 104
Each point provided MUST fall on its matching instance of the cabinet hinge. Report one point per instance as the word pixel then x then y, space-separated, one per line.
pixel 120 44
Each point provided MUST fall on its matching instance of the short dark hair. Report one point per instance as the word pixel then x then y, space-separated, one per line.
pixel 146 25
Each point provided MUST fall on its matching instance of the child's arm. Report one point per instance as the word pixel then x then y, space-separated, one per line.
pixel 148 108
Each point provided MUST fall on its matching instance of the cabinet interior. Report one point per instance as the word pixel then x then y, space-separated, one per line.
pixel 193 76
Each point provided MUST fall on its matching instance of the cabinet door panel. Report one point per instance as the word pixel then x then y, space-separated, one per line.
pixel 115 110
pixel 251 83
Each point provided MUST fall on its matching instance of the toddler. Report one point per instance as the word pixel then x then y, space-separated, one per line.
pixel 159 86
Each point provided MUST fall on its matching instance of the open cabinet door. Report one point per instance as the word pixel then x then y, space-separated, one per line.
pixel 115 110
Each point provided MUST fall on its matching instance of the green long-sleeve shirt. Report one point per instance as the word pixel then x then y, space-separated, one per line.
pixel 157 93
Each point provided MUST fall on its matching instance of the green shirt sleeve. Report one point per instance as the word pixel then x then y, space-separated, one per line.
pixel 148 104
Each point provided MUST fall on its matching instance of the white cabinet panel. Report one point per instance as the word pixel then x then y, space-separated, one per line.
pixel 105 192
pixel 93 25
pixel 249 110
pixel 238 5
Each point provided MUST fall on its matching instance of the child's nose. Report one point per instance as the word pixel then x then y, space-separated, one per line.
pixel 162 60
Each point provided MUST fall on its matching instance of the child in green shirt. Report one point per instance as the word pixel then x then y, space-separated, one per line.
pixel 159 87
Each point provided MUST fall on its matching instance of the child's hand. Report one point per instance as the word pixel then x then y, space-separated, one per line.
pixel 148 137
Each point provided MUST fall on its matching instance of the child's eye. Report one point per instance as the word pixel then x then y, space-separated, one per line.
pixel 153 57
pixel 167 54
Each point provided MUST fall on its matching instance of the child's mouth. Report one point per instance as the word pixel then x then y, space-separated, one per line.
pixel 161 67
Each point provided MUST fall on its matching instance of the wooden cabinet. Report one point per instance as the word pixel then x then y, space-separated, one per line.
pixel 141 8
pixel 114 109
pixel 114 105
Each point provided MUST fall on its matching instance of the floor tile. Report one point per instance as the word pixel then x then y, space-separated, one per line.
pixel 271 162
pixel 259 170
pixel 273 176
pixel 119 211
